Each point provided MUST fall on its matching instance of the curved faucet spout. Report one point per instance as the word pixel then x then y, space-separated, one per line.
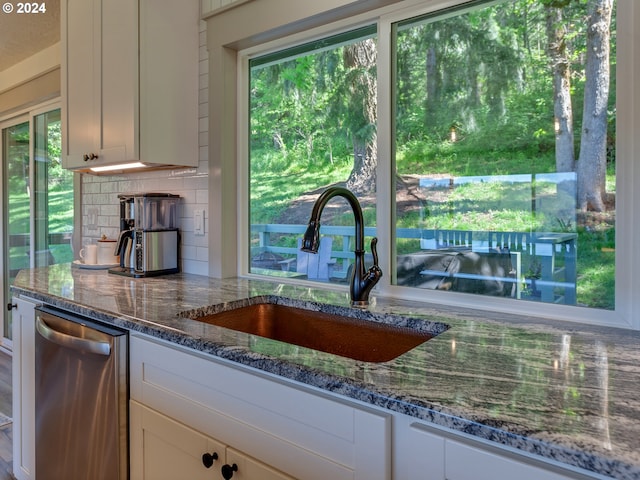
pixel 361 282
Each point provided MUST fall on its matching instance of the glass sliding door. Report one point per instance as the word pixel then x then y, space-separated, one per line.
pixel 53 194
pixel 37 200
pixel 16 198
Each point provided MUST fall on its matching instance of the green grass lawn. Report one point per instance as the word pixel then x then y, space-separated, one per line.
pixel 475 207
pixel 60 220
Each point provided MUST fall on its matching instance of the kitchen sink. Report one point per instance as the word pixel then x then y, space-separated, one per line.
pixel 339 333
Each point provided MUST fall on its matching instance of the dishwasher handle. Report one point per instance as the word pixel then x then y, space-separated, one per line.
pixel 66 340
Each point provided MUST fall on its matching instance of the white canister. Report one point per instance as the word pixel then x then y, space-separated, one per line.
pixel 106 252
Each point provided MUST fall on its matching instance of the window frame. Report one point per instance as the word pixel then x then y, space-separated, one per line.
pixel 628 121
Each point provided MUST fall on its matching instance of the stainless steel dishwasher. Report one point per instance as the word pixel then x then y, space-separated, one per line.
pixel 81 399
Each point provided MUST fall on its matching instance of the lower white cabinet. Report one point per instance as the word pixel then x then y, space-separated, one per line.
pixel 23 371
pixel 425 452
pixel 185 405
pixel 466 462
pixel 166 449
pixel 277 424
pixel 418 454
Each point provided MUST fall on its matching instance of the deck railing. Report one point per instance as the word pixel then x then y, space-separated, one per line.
pixel 552 256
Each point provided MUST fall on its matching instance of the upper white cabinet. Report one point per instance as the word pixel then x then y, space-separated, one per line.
pixel 211 7
pixel 130 82
pixel 169 61
pixel 99 83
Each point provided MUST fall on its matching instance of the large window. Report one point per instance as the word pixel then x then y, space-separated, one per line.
pixel 492 130
pixel 312 125
pixel 505 151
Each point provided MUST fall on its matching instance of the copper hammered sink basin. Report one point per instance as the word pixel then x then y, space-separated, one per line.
pixel 358 339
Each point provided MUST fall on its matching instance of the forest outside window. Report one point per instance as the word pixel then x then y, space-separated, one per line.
pixel 505 128
pixel 312 125
pixel 503 152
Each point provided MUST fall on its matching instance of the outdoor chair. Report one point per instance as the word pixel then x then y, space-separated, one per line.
pixel 316 266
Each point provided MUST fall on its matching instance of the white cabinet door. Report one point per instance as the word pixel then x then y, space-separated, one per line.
pixel 79 109
pixel 99 82
pixel 130 82
pixel 426 452
pixel 418 453
pixel 162 448
pixel 466 462
pixel 23 373
pixel 169 82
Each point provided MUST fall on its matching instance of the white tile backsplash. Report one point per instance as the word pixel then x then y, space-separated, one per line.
pixel 100 193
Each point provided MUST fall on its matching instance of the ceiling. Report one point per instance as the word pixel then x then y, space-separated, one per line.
pixel 23 35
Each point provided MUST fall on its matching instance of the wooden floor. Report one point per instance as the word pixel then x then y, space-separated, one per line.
pixel 5 407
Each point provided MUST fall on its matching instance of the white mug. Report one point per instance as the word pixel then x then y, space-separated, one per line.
pixel 89 254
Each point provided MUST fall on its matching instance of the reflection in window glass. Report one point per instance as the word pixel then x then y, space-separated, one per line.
pixel 312 125
pixel 506 187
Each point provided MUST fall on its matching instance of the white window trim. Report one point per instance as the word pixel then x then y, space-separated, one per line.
pixel 627 311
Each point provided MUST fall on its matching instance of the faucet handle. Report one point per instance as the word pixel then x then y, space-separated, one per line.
pixel 374 273
pixel 374 250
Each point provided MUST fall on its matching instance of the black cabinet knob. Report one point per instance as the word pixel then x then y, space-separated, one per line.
pixel 11 306
pixel 209 458
pixel 227 471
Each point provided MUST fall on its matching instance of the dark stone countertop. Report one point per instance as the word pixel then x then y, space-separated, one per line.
pixel 565 391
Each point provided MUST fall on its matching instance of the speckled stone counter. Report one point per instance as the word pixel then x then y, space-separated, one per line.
pixel 565 391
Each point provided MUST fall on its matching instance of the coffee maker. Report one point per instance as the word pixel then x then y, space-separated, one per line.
pixel 149 238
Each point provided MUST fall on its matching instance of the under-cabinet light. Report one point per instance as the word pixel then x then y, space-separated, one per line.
pixel 122 166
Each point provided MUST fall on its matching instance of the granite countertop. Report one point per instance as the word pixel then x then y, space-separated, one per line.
pixel 565 391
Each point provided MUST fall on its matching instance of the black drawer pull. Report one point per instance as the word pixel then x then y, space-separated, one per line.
pixel 227 471
pixel 209 458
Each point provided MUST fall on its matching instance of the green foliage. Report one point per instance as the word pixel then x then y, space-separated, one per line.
pixel 469 158
pixel 473 96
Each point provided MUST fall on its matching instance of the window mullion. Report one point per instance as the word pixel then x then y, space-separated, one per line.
pixel 385 189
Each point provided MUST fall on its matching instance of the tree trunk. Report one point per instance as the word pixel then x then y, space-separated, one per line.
pixel 361 59
pixel 362 178
pixel 562 109
pixel 593 159
pixel 432 85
